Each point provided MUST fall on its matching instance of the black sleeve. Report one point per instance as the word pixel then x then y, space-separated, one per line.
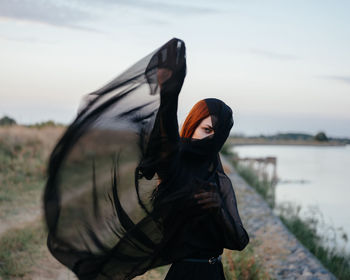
pixel 235 237
pixel 163 142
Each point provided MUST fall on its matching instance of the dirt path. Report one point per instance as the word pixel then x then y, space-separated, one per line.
pixel 20 220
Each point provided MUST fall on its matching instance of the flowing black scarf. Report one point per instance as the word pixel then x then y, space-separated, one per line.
pixel 121 173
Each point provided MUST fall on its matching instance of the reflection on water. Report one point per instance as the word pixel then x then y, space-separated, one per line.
pixel 311 176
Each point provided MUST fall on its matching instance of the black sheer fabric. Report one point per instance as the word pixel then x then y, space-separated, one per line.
pixel 119 195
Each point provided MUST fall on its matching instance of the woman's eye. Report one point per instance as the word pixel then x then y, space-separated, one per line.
pixel 207 130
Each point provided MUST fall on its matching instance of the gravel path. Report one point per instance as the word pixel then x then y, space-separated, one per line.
pixel 282 254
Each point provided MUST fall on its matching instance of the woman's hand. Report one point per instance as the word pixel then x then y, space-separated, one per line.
pixel 171 66
pixel 163 74
pixel 209 199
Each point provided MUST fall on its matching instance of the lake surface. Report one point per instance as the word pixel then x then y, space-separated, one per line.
pixel 311 176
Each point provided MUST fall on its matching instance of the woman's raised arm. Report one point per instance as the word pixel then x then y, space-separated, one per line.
pixel 163 144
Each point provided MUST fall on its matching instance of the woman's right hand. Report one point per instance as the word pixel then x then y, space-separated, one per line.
pixel 209 199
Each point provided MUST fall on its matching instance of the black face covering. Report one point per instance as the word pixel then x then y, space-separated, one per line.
pixel 119 192
pixel 222 122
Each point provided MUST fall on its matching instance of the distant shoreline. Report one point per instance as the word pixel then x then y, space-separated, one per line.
pixel 251 142
pixel 283 139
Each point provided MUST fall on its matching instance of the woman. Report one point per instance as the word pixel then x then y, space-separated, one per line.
pixel 208 202
pixel 108 216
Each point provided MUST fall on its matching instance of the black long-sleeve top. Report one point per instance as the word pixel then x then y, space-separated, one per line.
pixel 200 233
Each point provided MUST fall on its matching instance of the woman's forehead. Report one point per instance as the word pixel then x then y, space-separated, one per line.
pixel 207 121
pixel 211 121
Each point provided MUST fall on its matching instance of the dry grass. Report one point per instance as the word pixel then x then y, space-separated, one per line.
pixel 244 265
pixel 19 250
pixel 23 158
pixel 14 138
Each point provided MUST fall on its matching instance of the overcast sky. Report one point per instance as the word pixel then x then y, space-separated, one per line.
pixel 282 65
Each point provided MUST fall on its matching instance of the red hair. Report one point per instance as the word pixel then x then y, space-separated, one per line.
pixel 198 112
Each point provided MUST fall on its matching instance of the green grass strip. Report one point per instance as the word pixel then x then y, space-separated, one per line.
pixel 19 250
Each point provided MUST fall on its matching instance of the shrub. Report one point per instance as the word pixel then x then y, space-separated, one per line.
pixel 4 121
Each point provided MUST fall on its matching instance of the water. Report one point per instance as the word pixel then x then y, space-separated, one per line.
pixel 325 172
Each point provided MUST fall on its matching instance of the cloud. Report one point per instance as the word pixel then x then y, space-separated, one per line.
pixel 73 14
pixel 47 12
pixel 28 39
pixel 344 79
pixel 273 55
pixel 170 8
